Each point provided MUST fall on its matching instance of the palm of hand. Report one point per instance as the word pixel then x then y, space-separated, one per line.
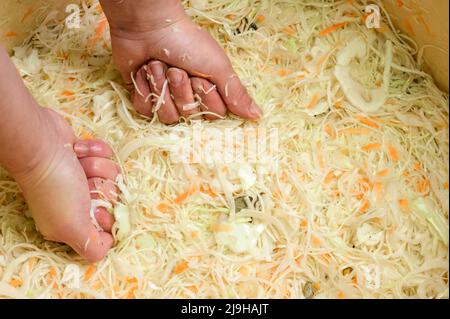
pixel 182 44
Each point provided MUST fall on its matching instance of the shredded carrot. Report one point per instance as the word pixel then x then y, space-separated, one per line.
pixel 27 14
pixel 393 153
pixel 194 289
pixel 371 147
pixel 367 121
pixel 131 293
pixel 378 189
pixel 338 105
pixel 423 186
pixel 409 27
pixel 355 280
pixel 200 74
pixel 102 24
pixel 316 286
pixel 68 93
pixel 163 208
pixel 422 20
pixel 181 267
pixel 304 223
pixel 52 273
pixel 89 272
pixel 364 207
pixel 284 72
pixel 332 28
pixel 132 280
pixel 289 30
pixel 99 8
pixel 244 271
pixel 184 196
pixel 314 101
pixel 445 185
pixel 260 18
pixel 316 241
pixel 417 166
pixel 86 136
pixel 16 283
pixel 194 234
pixel 399 3
pixel 329 178
pixel 341 295
pixel 404 204
pixel 383 172
pixel 329 131
pixel 220 228
pixel 10 34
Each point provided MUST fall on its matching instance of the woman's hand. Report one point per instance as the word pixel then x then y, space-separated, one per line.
pixel 155 41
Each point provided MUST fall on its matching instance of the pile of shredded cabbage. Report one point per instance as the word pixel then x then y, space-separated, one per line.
pixel 357 207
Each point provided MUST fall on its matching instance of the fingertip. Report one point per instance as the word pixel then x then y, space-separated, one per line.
pixel 210 98
pixel 237 98
pixel 99 247
pixel 92 148
pixel 141 93
pixel 104 219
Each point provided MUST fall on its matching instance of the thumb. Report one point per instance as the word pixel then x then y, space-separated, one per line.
pixel 235 95
pixel 89 243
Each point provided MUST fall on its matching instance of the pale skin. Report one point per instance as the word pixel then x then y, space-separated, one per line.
pixel 153 40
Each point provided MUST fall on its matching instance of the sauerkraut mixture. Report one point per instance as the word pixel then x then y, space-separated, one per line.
pixel 353 204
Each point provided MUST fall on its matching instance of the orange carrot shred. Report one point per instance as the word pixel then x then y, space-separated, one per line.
pixel 404 204
pixel 332 28
pixel 289 30
pixel 367 121
pixel 417 166
pixel 341 295
pixel 89 272
pixel 16 283
pixel 27 14
pixel 284 72
pixel 445 185
pixel 163 208
pixel 181 267
pixel 329 178
pixel 304 223
pixel 423 186
pixel 313 103
pixel 393 153
pixel 10 34
pixel 364 207
pixel 371 147
pixel 260 18
pixel 383 172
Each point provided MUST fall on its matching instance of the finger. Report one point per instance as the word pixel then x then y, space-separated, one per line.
pixel 209 98
pixel 99 167
pixel 235 95
pixel 103 188
pixel 167 112
pixel 141 93
pixel 92 148
pixel 181 90
pixel 88 242
pixel 104 219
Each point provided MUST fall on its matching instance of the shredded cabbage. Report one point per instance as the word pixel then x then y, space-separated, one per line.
pixel 353 205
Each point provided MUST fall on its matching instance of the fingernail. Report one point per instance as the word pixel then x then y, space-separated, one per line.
pixel 157 68
pixel 255 111
pixel 175 77
pixel 81 148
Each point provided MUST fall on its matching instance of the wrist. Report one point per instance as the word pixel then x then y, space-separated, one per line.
pixel 141 16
